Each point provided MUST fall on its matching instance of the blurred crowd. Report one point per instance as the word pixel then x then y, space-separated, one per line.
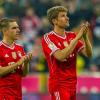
pixel 31 15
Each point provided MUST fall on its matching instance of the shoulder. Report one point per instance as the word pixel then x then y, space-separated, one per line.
pixel 70 33
pixel 1 47
pixel 47 36
pixel 0 43
pixel 18 45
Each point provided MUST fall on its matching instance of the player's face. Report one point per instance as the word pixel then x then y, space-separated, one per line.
pixel 62 21
pixel 13 31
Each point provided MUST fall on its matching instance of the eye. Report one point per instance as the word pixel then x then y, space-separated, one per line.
pixel 15 27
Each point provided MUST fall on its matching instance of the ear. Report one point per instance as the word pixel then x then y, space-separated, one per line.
pixel 4 30
pixel 54 21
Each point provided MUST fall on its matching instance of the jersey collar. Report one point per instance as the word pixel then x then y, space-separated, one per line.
pixel 63 37
pixel 6 45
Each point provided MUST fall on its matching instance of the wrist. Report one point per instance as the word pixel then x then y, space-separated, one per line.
pixel 85 37
pixel 16 64
pixel 76 39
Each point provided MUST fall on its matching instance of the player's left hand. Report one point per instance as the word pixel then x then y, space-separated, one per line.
pixel 28 57
pixel 86 30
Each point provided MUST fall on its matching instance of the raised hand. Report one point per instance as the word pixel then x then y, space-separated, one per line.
pixel 28 56
pixel 21 61
pixel 83 30
pixel 86 30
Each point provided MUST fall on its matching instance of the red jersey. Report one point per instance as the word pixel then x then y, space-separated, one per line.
pixel 62 74
pixel 10 83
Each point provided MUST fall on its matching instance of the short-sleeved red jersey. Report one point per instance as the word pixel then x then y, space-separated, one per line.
pixel 10 84
pixel 62 74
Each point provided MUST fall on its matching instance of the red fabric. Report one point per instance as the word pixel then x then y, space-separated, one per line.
pixel 8 97
pixel 10 84
pixel 63 95
pixel 62 74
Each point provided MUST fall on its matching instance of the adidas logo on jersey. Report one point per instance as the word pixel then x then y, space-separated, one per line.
pixel 6 55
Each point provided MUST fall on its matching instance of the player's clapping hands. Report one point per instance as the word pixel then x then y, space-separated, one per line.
pixel 25 59
pixel 86 30
pixel 28 57
pixel 83 30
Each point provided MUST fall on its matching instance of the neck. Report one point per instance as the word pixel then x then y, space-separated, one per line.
pixel 59 31
pixel 8 41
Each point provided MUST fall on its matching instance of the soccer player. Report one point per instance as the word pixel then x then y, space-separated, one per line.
pixel 14 63
pixel 61 48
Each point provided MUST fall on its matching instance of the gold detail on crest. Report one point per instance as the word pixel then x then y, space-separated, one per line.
pixel 14 55
pixel 19 54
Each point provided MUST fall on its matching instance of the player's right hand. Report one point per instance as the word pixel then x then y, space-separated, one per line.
pixel 21 61
pixel 81 31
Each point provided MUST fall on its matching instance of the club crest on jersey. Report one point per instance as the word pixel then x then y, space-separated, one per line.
pixel 19 54
pixel 14 55
pixel 65 44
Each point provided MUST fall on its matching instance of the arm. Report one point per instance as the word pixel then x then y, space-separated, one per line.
pixel 87 51
pixel 63 54
pixel 8 69
pixel 26 64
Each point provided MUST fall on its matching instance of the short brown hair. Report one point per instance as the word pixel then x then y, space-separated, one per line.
pixel 53 12
pixel 4 22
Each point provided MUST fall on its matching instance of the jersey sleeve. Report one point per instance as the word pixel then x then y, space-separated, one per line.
pixel 48 46
pixel 23 52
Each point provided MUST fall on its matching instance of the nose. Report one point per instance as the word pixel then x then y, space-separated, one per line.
pixel 18 30
pixel 67 17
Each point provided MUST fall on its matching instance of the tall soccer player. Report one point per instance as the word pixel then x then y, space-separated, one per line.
pixel 14 63
pixel 61 48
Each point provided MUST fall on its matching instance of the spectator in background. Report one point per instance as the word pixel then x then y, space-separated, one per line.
pixel 11 8
pixel 2 15
pixel 31 25
pixel 45 26
pixel 95 27
pixel 41 6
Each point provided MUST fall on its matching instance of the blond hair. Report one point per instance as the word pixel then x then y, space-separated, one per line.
pixel 53 12
pixel 4 22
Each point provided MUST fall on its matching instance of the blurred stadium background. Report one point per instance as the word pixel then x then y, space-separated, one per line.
pixel 31 15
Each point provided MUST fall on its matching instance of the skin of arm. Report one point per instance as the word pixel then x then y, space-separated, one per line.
pixel 24 60
pixel 63 54
pixel 87 51
pixel 26 64
pixel 7 69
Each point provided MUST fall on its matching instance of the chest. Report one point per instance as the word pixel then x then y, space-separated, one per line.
pixel 62 42
pixel 10 55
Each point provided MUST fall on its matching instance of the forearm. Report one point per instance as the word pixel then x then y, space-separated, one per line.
pixel 68 50
pixel 7 69
pixel 25 69
pixel 63 54
pixel 88 47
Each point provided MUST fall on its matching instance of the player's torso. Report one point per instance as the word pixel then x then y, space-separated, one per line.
pixel 10 55
pixel 62 72
pixel 12 80
pixel 62 42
